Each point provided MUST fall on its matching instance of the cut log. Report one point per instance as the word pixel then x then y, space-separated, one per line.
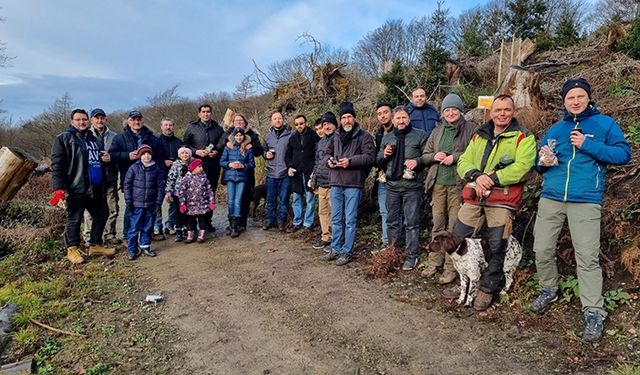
pixel 523 86
pixel 26 366
pixel 16 167
pixel 227 120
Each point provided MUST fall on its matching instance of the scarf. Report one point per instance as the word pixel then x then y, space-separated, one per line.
pixel 397 163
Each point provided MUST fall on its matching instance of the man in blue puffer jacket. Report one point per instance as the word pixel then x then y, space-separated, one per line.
pixel 423 115
pixel 573 160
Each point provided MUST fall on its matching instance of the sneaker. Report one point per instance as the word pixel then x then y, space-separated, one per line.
pixel 483 301
pixel 101 250
pixel 294 228
pixel 447 277
pixel 158 234
pixel 429 271
pixel 133 256
pixel 320 244
pixel 409 263
pixel 157 231
pixel 74 255
pixel 331 255
pixel 179 236
pixel 593 325
pixel 343 259
pixel 281 227
pixel 267 226
pixel 541 303
pixel 148 252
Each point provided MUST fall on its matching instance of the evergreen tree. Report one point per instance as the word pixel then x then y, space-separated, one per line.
pixel 471 39
pixel 431 71
pixel 631 43
pixel 567 32
pixel 393 81
pixel 526 18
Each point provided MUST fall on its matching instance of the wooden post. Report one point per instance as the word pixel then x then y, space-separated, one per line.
pixel 15 169
pixel 227 120
pixel 513 42
pixel 500 64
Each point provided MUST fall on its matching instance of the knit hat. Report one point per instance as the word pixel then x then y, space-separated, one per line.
pixel 194 164
pixel 452 101
pixel 185 149
pixel 144 149
pixel 329 117
pixel 347 107
pixel 576 82
pixel 237 131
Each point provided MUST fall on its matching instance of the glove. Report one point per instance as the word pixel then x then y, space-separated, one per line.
pixel 212 206
pixel 58 195
pixel 183 208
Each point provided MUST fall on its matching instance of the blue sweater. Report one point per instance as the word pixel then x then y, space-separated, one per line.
pixel 579 176
pixel 230 155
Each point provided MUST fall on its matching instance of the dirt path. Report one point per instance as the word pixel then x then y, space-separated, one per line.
pixel 265 304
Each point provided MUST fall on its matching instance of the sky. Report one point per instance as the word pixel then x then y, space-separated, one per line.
pixel 115 54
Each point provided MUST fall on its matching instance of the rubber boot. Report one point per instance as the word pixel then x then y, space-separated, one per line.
pixel 227 230
pixel 234 227
pixel 179 235
pixel 201 235
pixel 190 236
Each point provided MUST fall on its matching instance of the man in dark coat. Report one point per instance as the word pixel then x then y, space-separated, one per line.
pixel 77 173
pixel 169 144
pixel 300 159
pixel 202 137
pixel 423 115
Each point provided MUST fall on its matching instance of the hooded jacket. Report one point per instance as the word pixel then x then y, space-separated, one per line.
pixel 361 152
pixel 277 167
pixel 195 192
pixel 232 154
pixel 580 174
pixel 256 146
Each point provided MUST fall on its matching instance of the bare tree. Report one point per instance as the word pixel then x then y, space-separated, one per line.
pixel 379 47
pixel 37 134
pixel 612 11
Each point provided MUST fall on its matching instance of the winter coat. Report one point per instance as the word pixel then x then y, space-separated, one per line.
pixel 464 131
pixel 144 185
pixel 256 146
pixel 361 152
pixel 321 169
pixel 483 153
pixel 75 164
pixel 424 118
pixel 414 142
pixel 126 142
pixel 231 154
pixel 277 167
pixel 178 170
pixel 111 169
pixel 378 134
pixel 198 136
pixel 300 155
pixel 580 174
pixel 169 146
pixel 195 192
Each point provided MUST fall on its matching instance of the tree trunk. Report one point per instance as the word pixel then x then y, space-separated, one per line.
pixel 15 170
pixel 523 86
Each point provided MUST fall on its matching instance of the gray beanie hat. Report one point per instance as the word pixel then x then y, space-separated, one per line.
pixel 452 101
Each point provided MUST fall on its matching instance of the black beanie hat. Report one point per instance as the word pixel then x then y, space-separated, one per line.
pixel 576 82
pixel 329 117
pixel 347 107
pixel 237 131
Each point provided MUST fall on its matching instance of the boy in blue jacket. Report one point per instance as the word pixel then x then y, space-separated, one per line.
pixel 143 194
pixel 573 161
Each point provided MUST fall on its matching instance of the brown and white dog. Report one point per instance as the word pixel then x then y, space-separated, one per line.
pixel 470 257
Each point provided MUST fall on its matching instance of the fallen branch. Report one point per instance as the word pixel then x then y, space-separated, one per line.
pixel 38 323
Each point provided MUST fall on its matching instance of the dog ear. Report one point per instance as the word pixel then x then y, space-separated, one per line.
pixel 459 245
pixel 436 243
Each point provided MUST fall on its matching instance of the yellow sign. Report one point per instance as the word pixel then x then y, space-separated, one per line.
pixel 484 102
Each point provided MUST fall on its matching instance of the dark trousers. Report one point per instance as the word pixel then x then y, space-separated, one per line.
pixel 98 209
pixel 212 170
pixel 197 221
pixel 407 206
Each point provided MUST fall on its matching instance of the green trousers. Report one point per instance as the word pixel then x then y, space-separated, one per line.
pixel 584 226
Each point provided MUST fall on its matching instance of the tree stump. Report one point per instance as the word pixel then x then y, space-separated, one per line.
pixel 16 167
pixel 523 86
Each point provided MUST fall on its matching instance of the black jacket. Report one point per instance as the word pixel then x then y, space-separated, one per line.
pixel 126 142
pixel 200 135
pixel 321 169
pixel 361 152
pixel 300 155
pixel 169 146
pixel 70 163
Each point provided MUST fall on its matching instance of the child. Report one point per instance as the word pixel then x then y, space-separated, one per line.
pixel 178 170
pixel 237 158
pixel 196 199
pixel 143 192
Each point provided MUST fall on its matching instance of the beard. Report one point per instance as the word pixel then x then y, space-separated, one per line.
pixel 347 128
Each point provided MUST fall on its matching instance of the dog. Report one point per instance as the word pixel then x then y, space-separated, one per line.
pixel 470 257
pixel 259 193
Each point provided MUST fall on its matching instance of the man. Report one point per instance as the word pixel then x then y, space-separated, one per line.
pixel 78 177
pixel 202 136
pixel 105 136
pixel 300 159
pixel 240 122
pixel 497 160
pixel 400 156
pixel 169 144
pixel 423 115
pixel 383 113
pixel 317 125
pixel 573 161
pixel 320 180
pixel 278 183
pixel 124 148
pixel 350 154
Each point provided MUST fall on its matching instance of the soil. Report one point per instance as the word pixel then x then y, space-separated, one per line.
pixel 265 303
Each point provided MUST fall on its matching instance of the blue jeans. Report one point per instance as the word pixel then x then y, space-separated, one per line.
pixel 141 225
pixel 278 192
pixel 405 205
pixel 171 217
pixel 382 205
pixel 344 209
pixel 234 197
pixel 310 202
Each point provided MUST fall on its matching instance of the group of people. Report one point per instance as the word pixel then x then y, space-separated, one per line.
pixel 473 175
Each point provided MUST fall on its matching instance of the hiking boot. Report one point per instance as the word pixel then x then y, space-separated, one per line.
pixel 227 230
pixel 234 227
pixel 429 271
pixel 241 228
pixel 281 227
pixel 294 228
pixel 409 263
pixel 451 292
pixel 541 303
pixel 320 244
pixel 483 301
pixel 179 236
pixel 74 255
pixel 133 256
pixel 343 259
pixel 267 226
pixel 201 235
pixel 331 255
pixel 447 277
pixel 190 237
pixel 148 252
pixel 593 325
pixel 101 250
